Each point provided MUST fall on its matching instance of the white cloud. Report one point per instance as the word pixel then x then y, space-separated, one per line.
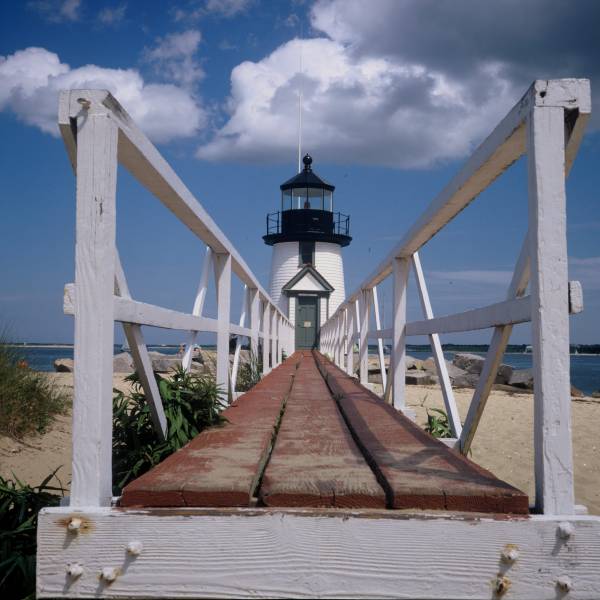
pixel 112 16
pixel 31 79
pixel 364 110
pixel 173 57
pixel 56 11
pixel 403 84
pixel 227 8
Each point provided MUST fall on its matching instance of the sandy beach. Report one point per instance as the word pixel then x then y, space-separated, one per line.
pixel 503 444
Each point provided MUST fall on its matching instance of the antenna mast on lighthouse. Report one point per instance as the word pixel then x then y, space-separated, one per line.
pixel 300 107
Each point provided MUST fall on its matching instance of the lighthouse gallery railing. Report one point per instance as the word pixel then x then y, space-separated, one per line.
pixel 98 135
pixel 547 124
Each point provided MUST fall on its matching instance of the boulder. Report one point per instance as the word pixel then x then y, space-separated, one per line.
pixel 123 363
pixel 466 380
pixel 504 374
pixel 522 378
pixel 576 392
pixel 163 363
pixel 596 394
pixel 63 365
pixel 453 370
pixel 471 363
pixel 412 363
pixel 414 377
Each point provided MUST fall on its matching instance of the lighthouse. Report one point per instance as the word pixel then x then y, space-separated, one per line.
pixel 307 270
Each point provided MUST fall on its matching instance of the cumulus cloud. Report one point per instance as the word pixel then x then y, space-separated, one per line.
pixel 404 84
pixel 31 79
pixel 56 11
pixel 356 109
pixel 174 57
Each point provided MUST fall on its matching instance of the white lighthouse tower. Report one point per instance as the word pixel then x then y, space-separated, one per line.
pixel 307 271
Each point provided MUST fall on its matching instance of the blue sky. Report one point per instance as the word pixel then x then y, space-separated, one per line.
pixel 396 97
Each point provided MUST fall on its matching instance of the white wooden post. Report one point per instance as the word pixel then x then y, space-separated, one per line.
pixel 379 340
pixel 438 354
pixel 400 271
pixel 550 310
pixel 266 327
pixel 222 264
pixel 365 304
pixel 141 360
pixel 350 341
pixel 273 337
pixel 94 327
pixel 198 307
pixel 254 322
pixel 279 338
pixel 238 340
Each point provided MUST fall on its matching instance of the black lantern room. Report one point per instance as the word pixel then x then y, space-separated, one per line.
pixel 307 212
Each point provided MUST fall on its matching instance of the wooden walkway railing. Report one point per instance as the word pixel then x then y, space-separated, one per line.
pixel 98 135
pixel 547 124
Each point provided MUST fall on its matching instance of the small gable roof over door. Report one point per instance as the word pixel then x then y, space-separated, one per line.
pixel 308 279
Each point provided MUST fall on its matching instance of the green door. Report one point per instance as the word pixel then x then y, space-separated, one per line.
pixel 306 321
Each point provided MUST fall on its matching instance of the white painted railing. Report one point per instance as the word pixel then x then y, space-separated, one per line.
pixel 547 124
pixel 98 135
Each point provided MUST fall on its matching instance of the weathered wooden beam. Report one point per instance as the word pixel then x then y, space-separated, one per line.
pixel 507 312
pixel 363 360
pixel 94 329
pixel 315 554
pixel 399 333
pixel 222 264
pixel 550 310
pixel 141 359
pixel 438 354
pixel 382 368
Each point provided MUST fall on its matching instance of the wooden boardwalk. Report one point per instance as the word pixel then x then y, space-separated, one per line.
pixel 309 435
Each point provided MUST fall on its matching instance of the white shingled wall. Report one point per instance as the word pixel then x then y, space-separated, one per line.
pixel 328 262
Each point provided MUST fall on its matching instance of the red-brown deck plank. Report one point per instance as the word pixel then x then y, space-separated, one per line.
pixel 315 462
pixel 416 470
pixel 221 466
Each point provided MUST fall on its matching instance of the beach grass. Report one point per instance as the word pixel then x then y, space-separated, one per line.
pixel 28 399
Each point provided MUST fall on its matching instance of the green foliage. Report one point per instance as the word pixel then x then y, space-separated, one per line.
pixel 28 399
pixel 19 507
pixel 249 373
pixel 437 423
pixel 191 403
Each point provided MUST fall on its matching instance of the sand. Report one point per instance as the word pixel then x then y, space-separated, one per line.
pixel 503 444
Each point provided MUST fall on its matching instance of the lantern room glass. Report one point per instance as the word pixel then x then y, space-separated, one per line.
pixel 307 198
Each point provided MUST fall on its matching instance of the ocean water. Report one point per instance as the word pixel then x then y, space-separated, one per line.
pixel 585 368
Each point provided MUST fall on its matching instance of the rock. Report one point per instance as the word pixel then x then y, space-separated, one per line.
pixel 453 370
pixel 123 363
pixel 576 392
pixel 522 378
pixel 163 363
pixel 412 363
pixel 472 363
pixel 63 365
pixel 419 378
pixel 428 365
pixel 504 374
pixel 596 394
pixel 466 380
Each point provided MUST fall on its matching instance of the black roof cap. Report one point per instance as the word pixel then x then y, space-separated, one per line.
pixel 307 178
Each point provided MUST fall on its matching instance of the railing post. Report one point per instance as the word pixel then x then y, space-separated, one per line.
pixel 94 325
pixel 222 263
pixel 550 310
pixel 379 340
pixel 273 328
pixel 365 303
pixel 266 327
pixel 401 268
pixel 350 342
pixel 279 339
pixel 254 322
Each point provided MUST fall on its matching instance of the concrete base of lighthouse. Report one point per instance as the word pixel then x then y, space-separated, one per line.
pixel 324 281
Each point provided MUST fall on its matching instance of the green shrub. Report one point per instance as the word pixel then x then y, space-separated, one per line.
pixel 19 507
pixel 28 399
pixel 437 424
pixel 191 403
